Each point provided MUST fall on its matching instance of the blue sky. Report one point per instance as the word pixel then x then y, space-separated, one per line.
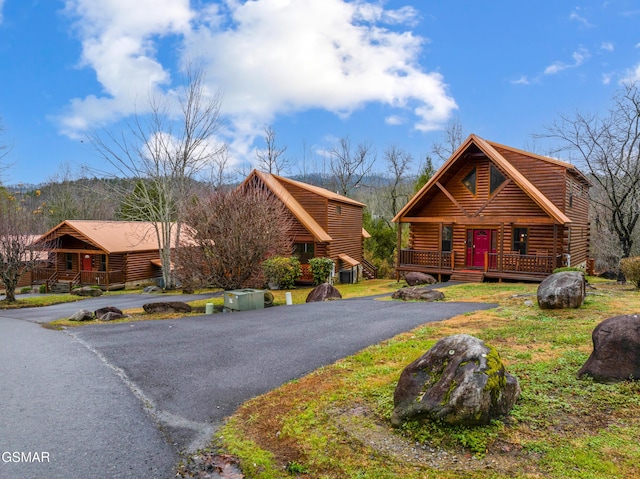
pixel 384 72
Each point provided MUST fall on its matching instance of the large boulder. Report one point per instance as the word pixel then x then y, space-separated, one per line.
pixel 82 315
pixel 87 291
pixel 111 316
pixel 562 290
pixel 323 292
pixel 418 293
pixel 98 313
pixel 414 278
pixel 167 307
pixel 460 380
pixel 616 350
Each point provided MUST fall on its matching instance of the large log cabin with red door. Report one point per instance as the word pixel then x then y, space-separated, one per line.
pixel 108 254
pixel 496 212
pixel 323 224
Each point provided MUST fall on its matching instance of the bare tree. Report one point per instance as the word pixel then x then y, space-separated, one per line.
pixel 18 255
pixel 453 137
pixel 349 167
pixel 609 147
pixel 271 159
pixel 165 151
pixel 4 151
pixel 398 162
pixel 232 233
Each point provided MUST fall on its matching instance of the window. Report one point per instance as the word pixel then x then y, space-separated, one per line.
pixel 447 235
pixel 520 236
pixel 303 251
pixel 496 179
pixel 69 261
pixel 103 262
pixel 338 210
pixel 470 181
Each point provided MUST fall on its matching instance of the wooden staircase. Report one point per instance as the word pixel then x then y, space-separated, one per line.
pixel 468 276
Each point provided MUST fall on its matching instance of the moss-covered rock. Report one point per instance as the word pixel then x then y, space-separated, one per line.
pixel 460 380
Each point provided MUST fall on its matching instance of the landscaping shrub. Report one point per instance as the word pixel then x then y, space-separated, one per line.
pixel 630 267
pixel 25 290
pixel 282 271
pixel 321 269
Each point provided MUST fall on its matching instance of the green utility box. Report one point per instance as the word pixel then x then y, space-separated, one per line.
pixel 244 299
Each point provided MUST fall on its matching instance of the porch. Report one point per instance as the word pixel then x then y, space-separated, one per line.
pixel 512 265
pixel 65 281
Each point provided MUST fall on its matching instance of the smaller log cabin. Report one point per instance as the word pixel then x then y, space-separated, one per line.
pixel 109 254
pixel 496 212
pixel 324 224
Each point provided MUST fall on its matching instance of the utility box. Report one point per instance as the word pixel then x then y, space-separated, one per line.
pixel 244 299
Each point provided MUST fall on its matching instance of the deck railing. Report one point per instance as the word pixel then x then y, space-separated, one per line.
pixel 50 276
pixel 494 262
pixel 520 263
pixel 433 259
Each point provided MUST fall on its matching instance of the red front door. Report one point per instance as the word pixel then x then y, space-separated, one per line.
pixel 480 244
pixel 86 263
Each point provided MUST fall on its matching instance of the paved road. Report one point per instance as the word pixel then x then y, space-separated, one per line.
pixel 86 387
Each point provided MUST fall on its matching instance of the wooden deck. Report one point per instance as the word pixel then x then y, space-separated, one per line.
pixel 510 266
pixel 104 279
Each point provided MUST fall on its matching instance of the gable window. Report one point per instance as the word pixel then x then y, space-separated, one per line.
pixel 496 179
pixel 470 181
pixel 303 251
pixel 447 235
pixel 520 240
pixel 69 261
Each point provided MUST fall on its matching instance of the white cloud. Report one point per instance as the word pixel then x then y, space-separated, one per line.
pixel 576 17
pixel 579 58
pixel 267 57
pixel 118 44
pixel 523 80
pixel 394 120
pixel 607 46
pixel 1 5
pixel 283 56
pixel 632 75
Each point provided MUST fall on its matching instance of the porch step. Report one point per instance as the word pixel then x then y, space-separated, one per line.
pixel 468 276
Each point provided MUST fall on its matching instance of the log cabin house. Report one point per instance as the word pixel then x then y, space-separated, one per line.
pixel 108 254
pixel 493 212
pixel 324 224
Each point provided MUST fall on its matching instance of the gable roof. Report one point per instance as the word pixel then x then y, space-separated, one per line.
pixel 275 184
pixel 489 149
pixel 108 236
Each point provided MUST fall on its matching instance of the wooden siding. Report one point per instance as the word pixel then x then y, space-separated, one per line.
pixel 509 201
pixel 577 201
pixel 345 228
pixel 314 204
pixel 297 231
pixel 138 266
pixel 548 178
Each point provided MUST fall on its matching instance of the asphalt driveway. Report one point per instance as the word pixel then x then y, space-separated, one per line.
pixel 188 373
pixel 196 371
